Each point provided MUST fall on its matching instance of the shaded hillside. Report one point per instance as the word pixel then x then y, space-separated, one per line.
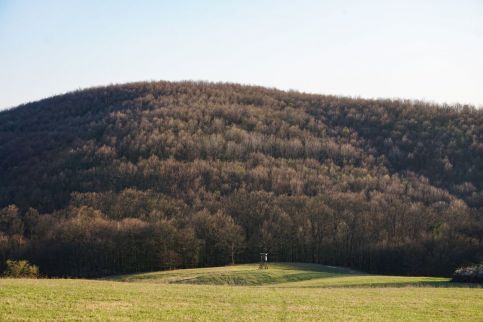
pixel 152 175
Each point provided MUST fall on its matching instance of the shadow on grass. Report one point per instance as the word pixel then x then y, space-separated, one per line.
pixel 315 268
pixel 430 284
pixel 252 278
pixel 433 284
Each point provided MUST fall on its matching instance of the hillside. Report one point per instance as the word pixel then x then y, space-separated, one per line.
pixel 148 176
pixel 302 292
pixel 283 275
pixel 247 274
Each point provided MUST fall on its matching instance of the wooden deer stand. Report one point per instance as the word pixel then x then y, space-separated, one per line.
pixel 263 261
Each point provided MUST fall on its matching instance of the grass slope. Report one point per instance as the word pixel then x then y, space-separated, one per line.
pixel 284 292
pixel 281 275
pixel 248 274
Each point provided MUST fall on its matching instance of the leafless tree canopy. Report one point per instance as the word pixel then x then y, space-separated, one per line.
pixel 148 176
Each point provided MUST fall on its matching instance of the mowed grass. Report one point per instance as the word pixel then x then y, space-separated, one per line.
pixel 242 293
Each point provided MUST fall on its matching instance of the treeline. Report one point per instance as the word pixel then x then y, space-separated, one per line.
pixel 152 176
pixel 106 233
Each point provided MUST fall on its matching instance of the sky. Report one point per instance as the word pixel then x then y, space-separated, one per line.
pixel 413 49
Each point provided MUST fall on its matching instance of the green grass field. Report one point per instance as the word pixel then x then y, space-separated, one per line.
pixel 242 292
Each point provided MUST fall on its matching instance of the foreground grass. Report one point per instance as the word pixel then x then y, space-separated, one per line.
pixel 166 296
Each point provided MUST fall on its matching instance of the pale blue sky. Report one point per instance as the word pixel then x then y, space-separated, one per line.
pixel 418 49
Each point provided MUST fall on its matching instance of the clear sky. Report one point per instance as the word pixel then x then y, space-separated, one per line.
pixel 418 49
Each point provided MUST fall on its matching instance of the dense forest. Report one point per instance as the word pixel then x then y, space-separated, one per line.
pixel 150 176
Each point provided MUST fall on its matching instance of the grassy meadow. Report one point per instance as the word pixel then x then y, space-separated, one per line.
pixel 242 292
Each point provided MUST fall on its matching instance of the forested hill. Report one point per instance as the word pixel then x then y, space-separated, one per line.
pixel 153 175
